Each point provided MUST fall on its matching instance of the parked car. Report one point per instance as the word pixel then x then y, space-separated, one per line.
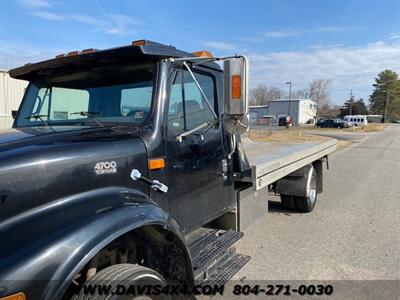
pixel 347 124
pixel 285 121
pixel 331 123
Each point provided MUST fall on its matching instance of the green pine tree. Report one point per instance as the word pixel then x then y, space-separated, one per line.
pixel 386 86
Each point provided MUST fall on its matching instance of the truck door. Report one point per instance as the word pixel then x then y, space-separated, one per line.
pixel 197 191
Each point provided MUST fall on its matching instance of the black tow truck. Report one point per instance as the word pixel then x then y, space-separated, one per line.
pixel 126 165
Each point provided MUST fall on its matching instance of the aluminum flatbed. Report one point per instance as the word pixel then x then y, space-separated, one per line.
pixel 271 161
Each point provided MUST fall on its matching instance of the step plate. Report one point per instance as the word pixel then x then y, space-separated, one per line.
pixel 216 248
pixel 224 273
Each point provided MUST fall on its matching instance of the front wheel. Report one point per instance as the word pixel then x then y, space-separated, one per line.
pixel 123 281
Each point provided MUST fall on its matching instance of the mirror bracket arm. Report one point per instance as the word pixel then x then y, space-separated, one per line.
pixel 201 90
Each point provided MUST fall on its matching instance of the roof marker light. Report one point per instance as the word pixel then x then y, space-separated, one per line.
pixel 205 54
pixel 139 43
pixel 60 55
pixel 87 51
pixel 73 53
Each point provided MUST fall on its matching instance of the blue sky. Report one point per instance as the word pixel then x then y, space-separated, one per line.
pixel 348 42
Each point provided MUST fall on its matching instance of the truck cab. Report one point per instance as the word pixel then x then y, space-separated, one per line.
pixel 129 161
pixel 108 145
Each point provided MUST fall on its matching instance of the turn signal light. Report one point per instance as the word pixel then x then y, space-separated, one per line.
pixel 156 163
pixel 236 87
pixel 206 54
pixel 19 296
pixel 139 43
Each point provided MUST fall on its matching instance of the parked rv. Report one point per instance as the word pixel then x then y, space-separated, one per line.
pixel 357 120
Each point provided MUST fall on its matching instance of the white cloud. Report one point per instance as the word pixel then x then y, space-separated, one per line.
pixel 220 45
pixel 326 46
pixel 114 24
pixel 394 36
pixel 36 3
pixel 349 68
pixel 251 39
pixel 290 32
pixel 281 33
pixel 97 22
pixel 121 25
pixel 327 29
pixel 47 15
pixel 14 53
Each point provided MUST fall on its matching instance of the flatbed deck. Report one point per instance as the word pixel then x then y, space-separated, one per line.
pixel 271 161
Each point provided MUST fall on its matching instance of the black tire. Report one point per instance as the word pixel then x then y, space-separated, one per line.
pixel 307 204
pixel 126 275
pixel 288 202
pixel 303 204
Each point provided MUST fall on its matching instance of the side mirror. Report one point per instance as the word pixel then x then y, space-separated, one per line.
pixel 236 95
pixel 236 86
pixel 14 113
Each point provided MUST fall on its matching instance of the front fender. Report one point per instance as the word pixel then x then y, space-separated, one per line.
pixel 59 242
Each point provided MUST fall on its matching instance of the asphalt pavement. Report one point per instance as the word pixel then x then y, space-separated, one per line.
pixel 342 135
pixel 354 231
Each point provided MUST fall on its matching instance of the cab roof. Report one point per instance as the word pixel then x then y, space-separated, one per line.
pixel 139 50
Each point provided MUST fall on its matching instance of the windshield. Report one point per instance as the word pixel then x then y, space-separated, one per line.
pixel 99 96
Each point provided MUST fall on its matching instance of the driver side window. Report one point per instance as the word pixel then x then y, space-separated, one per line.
pixel 187 106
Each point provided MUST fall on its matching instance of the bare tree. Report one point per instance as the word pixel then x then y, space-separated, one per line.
pixel 261 94
pixel 327 111
pixel 318 91
pixel 300 94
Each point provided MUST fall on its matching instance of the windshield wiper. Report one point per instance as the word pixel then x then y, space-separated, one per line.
pixel 86 113
pixel 89 114
pixel 36 117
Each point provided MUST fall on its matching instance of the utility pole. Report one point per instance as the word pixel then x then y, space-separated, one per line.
pixel 351 103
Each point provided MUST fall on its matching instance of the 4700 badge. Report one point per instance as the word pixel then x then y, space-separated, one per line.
pixel 285 290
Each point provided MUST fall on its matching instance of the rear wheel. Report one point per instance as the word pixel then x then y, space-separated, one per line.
pixel 123 280
pixel 288 202
pixel 303 204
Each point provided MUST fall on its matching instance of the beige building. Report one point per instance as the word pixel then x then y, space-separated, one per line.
pixel 11 93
